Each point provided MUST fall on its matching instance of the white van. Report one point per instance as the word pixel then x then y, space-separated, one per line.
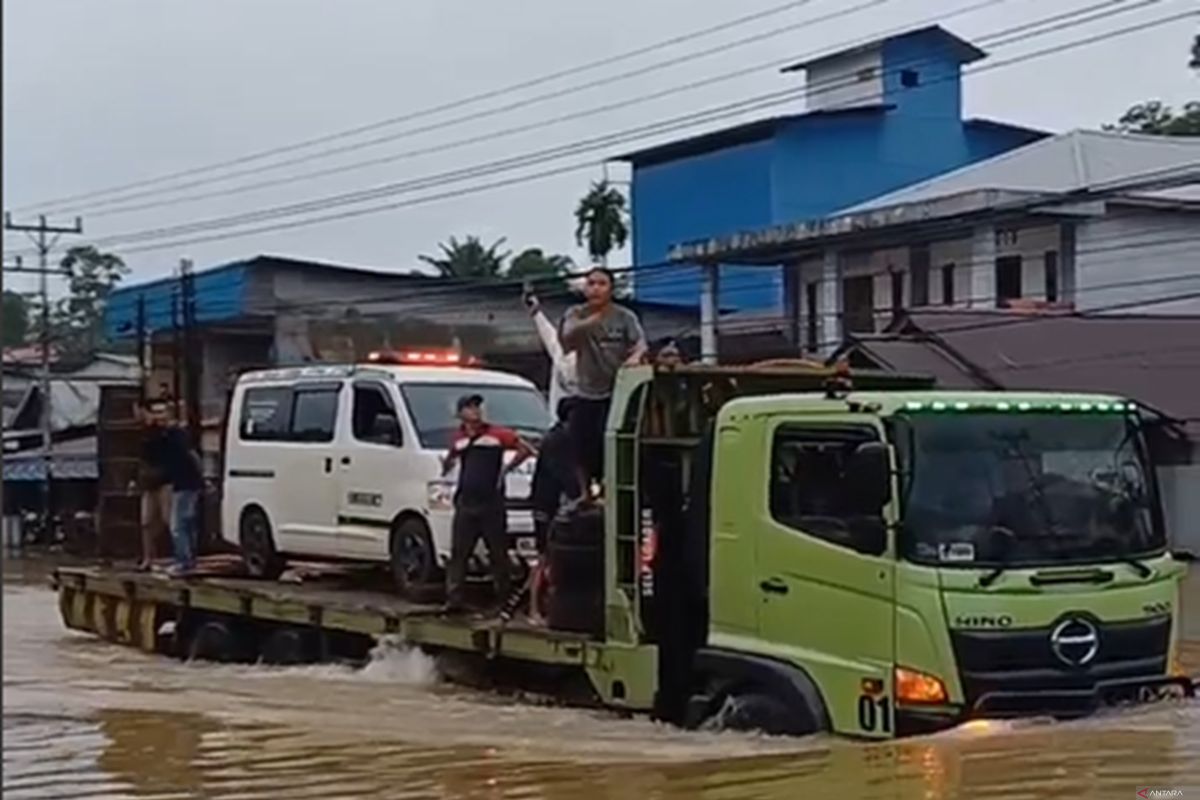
pixel 344 462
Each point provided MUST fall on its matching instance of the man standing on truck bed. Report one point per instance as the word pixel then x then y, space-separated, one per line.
pixel 605 336
pixel 479 511
pixel 153 483
pixel 170 451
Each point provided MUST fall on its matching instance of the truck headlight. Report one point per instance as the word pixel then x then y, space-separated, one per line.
pixel 918 688
pixel 439 495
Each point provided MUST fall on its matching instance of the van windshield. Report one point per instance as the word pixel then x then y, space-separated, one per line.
pixel 432 406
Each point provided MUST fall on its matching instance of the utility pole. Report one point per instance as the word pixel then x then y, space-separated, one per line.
pixel 38 234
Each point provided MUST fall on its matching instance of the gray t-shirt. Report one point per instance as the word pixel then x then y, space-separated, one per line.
pixel 601 347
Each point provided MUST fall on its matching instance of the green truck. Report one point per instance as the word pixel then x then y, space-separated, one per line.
pixel 792 548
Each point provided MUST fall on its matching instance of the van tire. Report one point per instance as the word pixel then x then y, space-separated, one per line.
pixel 413 557
pixel 258 546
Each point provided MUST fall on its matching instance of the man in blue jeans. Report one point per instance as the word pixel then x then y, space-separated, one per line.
pixel 185 475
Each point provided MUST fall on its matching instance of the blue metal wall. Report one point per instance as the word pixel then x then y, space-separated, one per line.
pixel 812 166
pixel 716 193
pixel 220 296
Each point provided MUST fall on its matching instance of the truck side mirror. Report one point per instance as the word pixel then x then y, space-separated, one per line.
pixel 869 478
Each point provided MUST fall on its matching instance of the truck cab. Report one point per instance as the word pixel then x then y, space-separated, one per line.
pixel 791 553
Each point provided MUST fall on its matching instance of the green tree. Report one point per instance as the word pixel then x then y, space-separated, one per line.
pixel 601 221
pixel 77 321
pixel 16 319
pixel 469 259
pixel 538 268
pixel 1155 118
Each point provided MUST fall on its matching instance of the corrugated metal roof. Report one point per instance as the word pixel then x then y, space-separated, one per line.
pixel 745 133
pixel 1152 359
pixel 965 51
pixel 1069 162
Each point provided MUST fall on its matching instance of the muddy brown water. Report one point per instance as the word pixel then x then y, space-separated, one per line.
pixel 86 719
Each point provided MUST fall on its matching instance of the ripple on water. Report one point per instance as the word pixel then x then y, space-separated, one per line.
pixel 88 720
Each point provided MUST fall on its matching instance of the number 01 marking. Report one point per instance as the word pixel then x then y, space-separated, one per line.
pixel 875 713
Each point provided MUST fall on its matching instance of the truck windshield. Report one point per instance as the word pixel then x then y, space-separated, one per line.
pixel 432 406
pixel 1025 488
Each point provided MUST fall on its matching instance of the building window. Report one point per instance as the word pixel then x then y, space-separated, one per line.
pixel 910 78
pixel 1051 264
pixel 858 304
pixel 1008 280
pixel 897 281
pixel 810 315
pixel 948 285
pixel 918 264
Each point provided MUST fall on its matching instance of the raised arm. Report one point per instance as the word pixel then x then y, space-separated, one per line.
pixel 549 336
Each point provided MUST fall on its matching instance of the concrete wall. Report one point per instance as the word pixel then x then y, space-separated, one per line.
pixel 1140 247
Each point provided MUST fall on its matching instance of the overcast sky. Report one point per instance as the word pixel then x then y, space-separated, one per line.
pixel 99 93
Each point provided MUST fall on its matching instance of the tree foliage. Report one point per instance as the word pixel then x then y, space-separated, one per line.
pixel 77 320
pixel 535 266
pixel 601 221
pixel 16 319
pixel 469 259
pixel 1156 118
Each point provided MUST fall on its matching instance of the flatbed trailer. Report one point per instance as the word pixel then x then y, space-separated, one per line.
pixel 238 618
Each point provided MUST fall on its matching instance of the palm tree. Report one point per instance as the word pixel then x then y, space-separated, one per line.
pixel 600 221
pixel 469 259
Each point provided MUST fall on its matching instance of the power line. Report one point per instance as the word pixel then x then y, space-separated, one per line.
pixel 525 160
pixel 501 110
pixel 445 298
pixel 448 106
pixel 811 89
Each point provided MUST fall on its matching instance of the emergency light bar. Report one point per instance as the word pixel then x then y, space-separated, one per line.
pixel 428 358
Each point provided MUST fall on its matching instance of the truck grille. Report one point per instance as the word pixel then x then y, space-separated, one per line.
pixel 1025 660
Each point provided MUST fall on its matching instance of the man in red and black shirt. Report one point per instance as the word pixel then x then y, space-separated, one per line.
pixel 479 511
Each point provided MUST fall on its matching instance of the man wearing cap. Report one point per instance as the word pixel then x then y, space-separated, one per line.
pixel 479 511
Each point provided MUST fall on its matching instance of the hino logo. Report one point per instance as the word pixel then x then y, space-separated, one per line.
pixel 1075 641
pixel 984 621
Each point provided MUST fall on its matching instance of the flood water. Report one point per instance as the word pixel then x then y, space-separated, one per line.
pixel 86 719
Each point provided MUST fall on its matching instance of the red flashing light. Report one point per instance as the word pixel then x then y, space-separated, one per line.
pixel 428 358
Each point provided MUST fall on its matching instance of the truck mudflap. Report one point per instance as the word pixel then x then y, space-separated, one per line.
pixel 1072 703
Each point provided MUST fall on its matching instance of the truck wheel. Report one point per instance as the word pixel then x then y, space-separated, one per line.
pixel 286 646
pixel 213 640
pixel 258 546
pixel 413 557
pixel 759 712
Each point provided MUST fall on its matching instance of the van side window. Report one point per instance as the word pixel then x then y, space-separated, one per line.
pixel 265 414
pixel 375 417
pixel 314 412
pixel 809 489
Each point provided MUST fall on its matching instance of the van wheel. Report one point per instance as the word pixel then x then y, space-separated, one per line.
pixel 258 546
pixel 414 560
pixel 754 711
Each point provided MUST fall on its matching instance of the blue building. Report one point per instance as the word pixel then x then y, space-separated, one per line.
pixel 880 117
